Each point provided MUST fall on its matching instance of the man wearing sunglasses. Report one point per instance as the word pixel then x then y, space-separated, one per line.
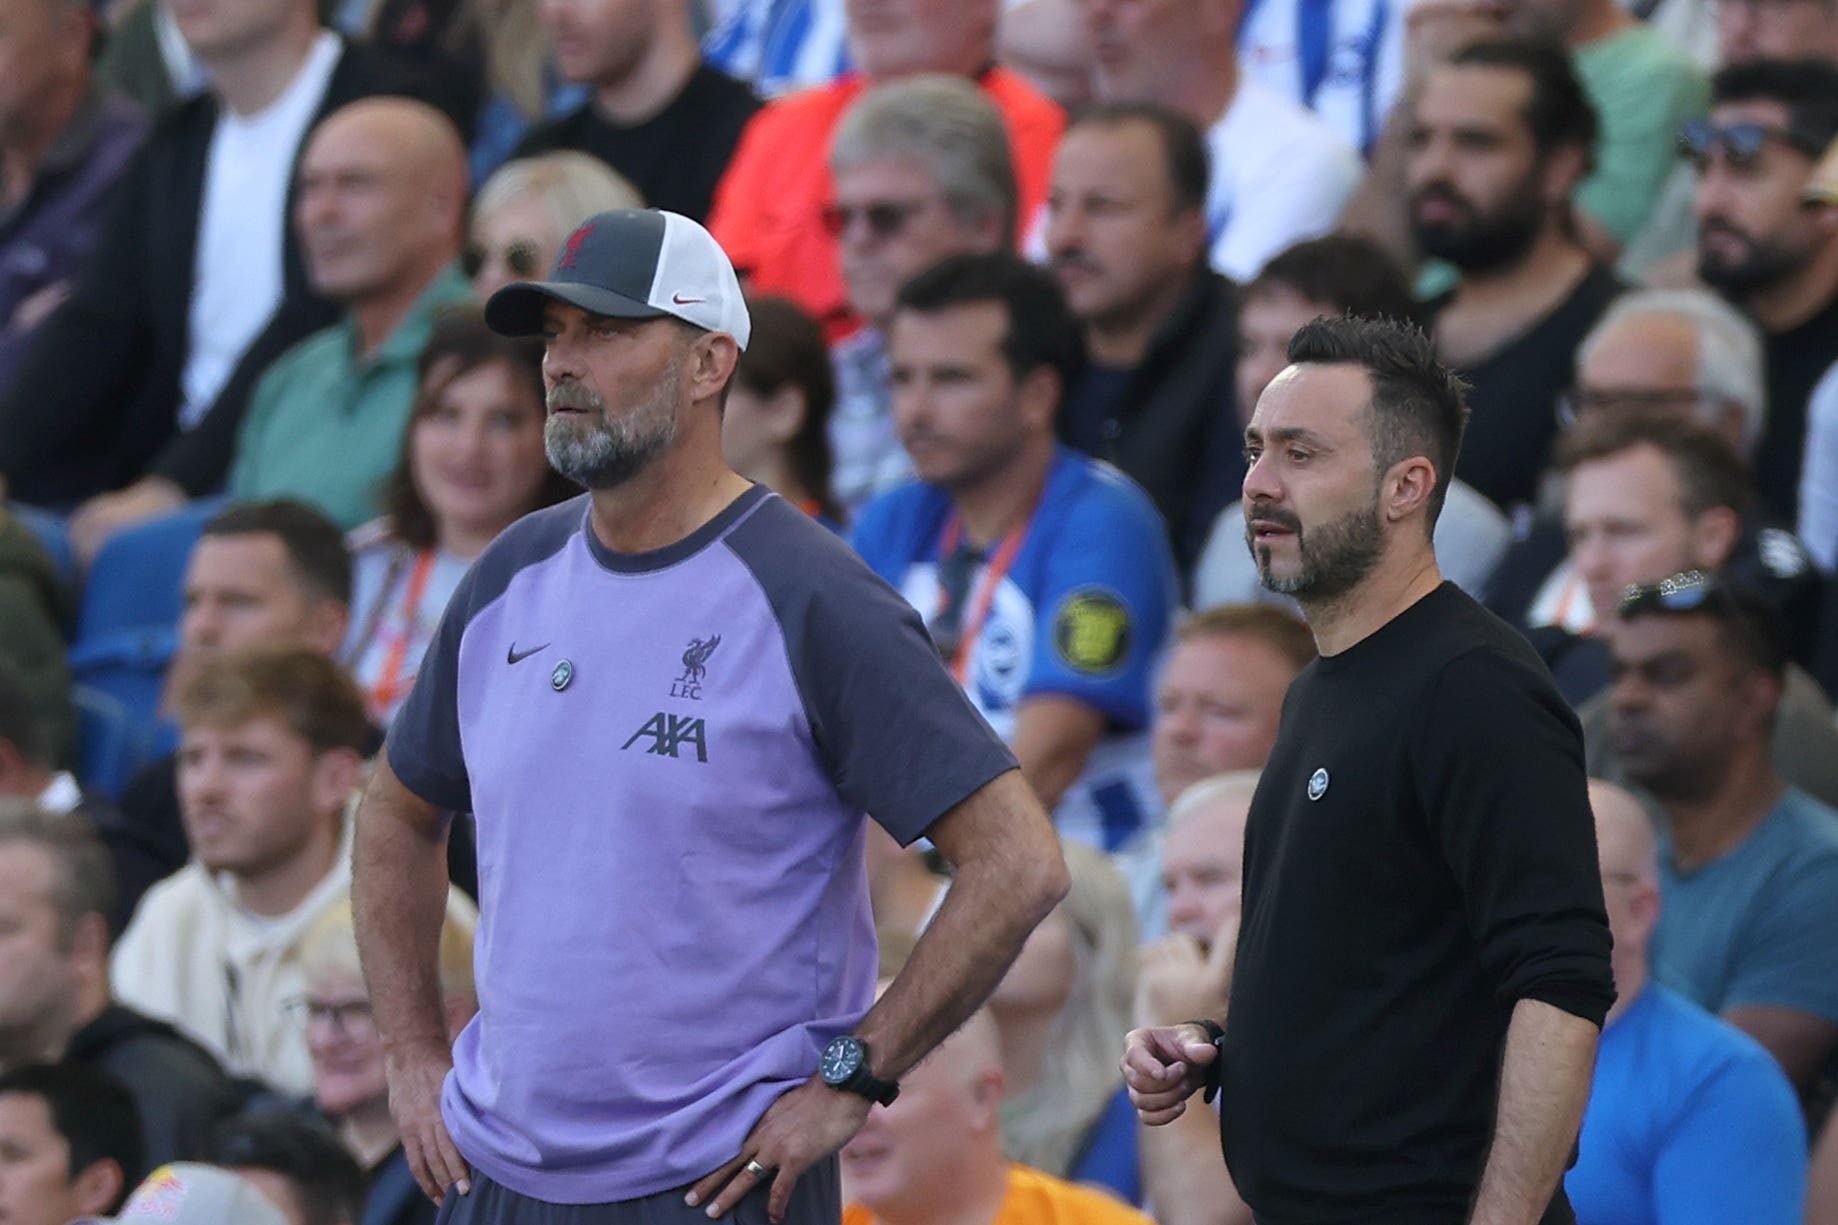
pixel 1423 960
pixel 1767 249
pixel 1749 864
pixel 922 171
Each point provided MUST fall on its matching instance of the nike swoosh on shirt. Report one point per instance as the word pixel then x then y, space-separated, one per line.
pixel 680 300
pixel 514 656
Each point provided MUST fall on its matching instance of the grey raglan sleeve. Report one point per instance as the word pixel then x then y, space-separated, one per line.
pixel 898 737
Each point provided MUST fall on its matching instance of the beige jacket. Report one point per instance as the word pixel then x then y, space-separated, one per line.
pixel 194 957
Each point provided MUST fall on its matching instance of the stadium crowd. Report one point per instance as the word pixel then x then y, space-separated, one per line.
pixel 1018 271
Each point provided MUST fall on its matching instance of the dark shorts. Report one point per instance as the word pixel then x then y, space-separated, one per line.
pixel 816 1200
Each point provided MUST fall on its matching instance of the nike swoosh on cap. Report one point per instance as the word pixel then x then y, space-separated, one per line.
pixel 680 300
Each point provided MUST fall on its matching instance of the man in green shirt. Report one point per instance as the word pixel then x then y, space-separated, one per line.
pixel 380 209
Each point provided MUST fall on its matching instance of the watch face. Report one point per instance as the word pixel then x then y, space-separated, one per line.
pixel 840 1060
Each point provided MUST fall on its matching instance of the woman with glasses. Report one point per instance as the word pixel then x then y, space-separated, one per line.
pixel 525 210
pixel 348 1078
pixel 472 463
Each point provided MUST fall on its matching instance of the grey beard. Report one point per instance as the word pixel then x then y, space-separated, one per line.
pixel 599 454
pixel 602 457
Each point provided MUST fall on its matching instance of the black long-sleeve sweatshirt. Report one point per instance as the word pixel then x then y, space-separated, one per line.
pixel 1420 857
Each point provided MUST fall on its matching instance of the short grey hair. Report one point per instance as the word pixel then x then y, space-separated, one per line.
pixel 1233 785
pixel 1730 361
pixel 946 123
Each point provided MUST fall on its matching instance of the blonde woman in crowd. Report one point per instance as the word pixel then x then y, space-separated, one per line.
pixel 528 207
pixel 1059 1011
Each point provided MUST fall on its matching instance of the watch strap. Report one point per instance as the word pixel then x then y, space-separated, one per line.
pixel 1215 1034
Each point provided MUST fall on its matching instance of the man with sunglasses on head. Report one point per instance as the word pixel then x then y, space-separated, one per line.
pixel 1749 865
pixel 922 170
pixel 1766 248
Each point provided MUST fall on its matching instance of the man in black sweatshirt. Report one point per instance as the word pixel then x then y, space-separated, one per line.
pixel 1423 966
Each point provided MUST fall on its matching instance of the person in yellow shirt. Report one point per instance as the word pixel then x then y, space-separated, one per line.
pixel 935 1153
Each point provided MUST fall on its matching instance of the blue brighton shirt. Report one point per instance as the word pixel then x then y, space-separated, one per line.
pixel 1082 612
pixel 1690 1122
pixel 669 756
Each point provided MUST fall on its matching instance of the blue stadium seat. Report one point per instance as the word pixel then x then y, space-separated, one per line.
pixel 139 576
pixel 53 532
pixel 128 631
pixel 110 746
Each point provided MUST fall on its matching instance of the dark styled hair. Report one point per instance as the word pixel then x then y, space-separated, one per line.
pixel 1710 472
pixel 1277 628
pixel 1183 146
pixel 1418 405
pixel 1352 274
pixel 313 696
pixel 787 349
pixel 83 871
pixel 459 344
pixel 94 1114
pixel 1041 330
pixel 306 1152
pixel 315 547
pixel 1808 88
pixel 1558 111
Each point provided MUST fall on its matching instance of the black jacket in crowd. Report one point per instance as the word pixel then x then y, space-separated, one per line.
pixel 1174 428
pixel 95 404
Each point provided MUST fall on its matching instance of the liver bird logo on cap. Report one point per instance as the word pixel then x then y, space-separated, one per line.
pixel 572 251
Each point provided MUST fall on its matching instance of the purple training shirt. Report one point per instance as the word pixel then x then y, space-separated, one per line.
pixel 669 756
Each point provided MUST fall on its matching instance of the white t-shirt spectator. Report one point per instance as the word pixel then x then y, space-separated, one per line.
pixel 238 279
pixel 1347 68
pixel 1280 175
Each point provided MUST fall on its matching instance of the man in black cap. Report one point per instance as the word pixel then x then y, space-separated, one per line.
pixel 676 963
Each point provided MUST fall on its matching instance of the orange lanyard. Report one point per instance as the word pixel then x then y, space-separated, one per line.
pixel 985 593
pixel 390 685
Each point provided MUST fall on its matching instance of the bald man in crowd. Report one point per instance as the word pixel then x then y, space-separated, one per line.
pixel 935 1154
pixel 380 209
pixel 1188 973
pixel 1689 1118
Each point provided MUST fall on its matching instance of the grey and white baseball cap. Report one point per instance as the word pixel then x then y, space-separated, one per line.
pixel 185 1193
pixel 632 263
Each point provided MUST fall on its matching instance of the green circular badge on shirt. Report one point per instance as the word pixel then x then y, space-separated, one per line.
pixel 1091 630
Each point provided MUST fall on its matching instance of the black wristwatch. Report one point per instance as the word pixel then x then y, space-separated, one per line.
pixel 844 1066
pixel 1215 1034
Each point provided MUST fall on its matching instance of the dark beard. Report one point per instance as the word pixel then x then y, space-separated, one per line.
pixel 1483 243
pixel 1333 557
pixel 1763 266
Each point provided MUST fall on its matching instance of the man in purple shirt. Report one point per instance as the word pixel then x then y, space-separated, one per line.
pixel 669 704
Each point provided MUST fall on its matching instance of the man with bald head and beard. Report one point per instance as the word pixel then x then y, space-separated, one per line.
pixel 380 210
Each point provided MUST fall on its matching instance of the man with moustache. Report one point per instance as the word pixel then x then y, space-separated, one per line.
pixel 1499 138
pixel 1765 247
pixel 669 704
pixel 1423 963
pixel 1126 234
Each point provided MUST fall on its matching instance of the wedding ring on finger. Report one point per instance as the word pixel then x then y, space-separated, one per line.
pixel 757 1170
